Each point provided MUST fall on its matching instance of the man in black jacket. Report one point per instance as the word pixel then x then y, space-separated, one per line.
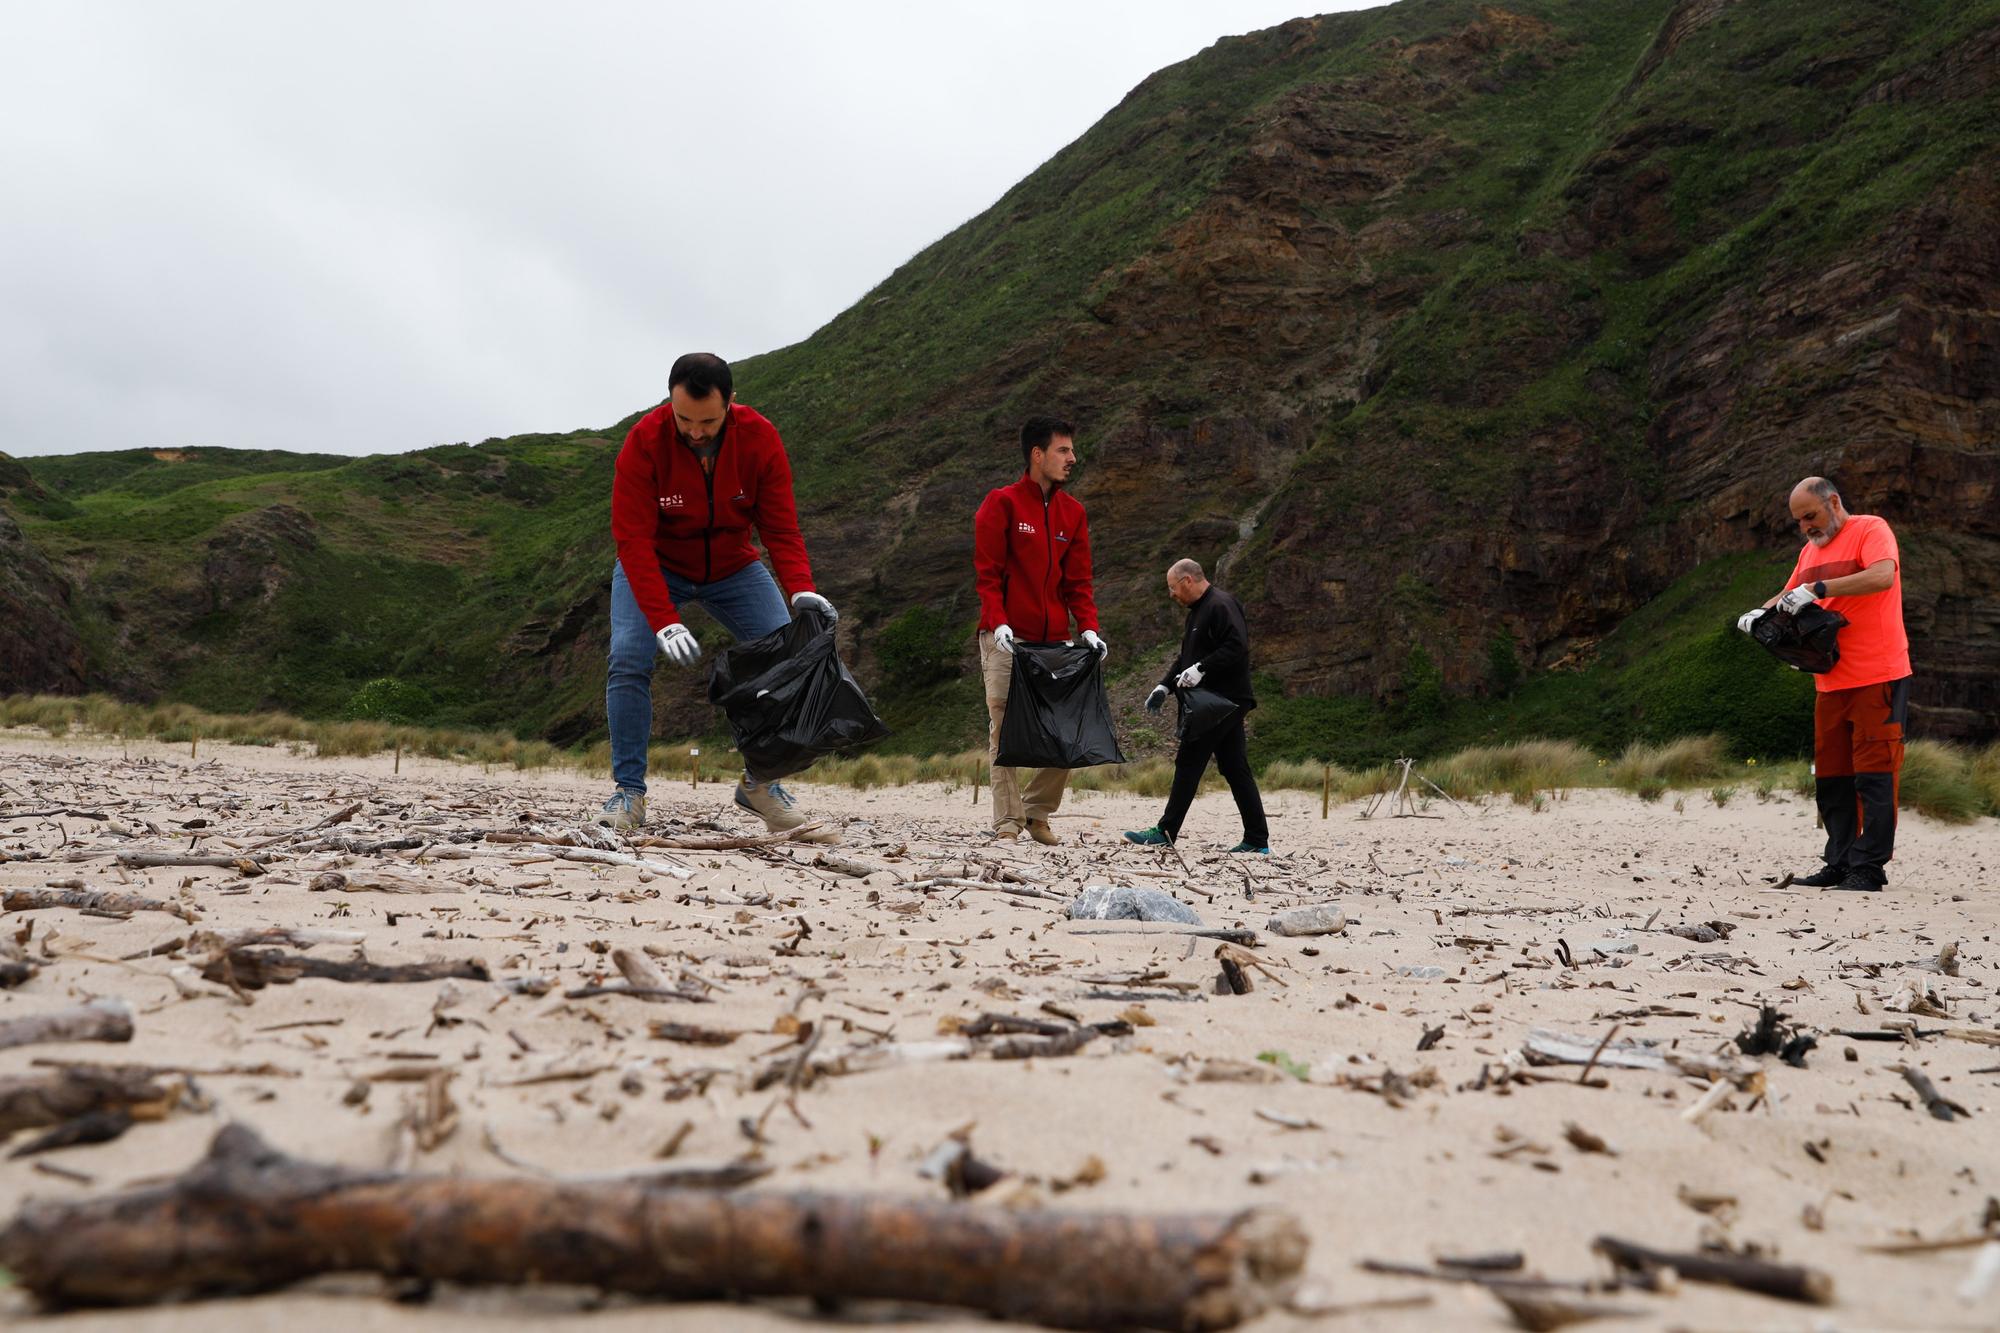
pixel 1215 655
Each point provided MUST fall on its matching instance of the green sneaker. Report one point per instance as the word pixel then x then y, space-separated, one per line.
pixel 1252 848
pixel 1149 837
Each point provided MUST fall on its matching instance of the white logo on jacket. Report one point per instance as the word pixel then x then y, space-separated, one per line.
pixel 672 502
pixel 1028 528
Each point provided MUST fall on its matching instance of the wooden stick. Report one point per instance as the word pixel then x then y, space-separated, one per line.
pixel 95 1020
pixel 31 1101
pixel 1786 1281
pixel 253 969
pixel 1325 789
pixel 243 865
pixel 108 901
pixel 249 1219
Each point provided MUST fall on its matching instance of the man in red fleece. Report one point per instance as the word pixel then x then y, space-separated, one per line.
pixel 695 475
pixel 1031 555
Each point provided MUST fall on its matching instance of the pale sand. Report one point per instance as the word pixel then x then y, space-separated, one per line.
pixel 1376 1181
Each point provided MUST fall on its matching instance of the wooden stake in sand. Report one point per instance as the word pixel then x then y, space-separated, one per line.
pixel 694 766
pixel 1325 789
pixel 399 756
pixel 248 1218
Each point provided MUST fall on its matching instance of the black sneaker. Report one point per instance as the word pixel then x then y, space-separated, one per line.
pixel 1859 881
pixel 1826 877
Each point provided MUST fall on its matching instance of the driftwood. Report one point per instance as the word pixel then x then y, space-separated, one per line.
pixel 251 1219
pixel 1939 1105
pixel 254 969
pixel 246 866
pixel 692 1034
pixel 96 1020
pixel 109 902
pixel 723 844
pixel 1789 1282
pixel 91 1127
pixel 14 968
pixel 376 881
pixel 32 1101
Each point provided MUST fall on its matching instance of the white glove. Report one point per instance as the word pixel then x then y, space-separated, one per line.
pixel 1798 599
pixel 679 644
pixel 1003 638
pixel 817 603
pixel 1157 699
pixel 1090 637
pixel 1748 619
pixel 1190 678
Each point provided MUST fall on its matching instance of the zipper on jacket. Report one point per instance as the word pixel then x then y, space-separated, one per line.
pixel 1049 541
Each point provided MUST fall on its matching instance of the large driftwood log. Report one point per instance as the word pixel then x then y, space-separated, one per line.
pixel 95 1020
pixel 249 1218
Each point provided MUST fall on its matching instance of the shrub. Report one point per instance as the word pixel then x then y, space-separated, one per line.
pixel 1423 689
pixel 1503 664
pixel 1689 760
pixel 1520 769
pixel 386 699
pixel 1722 682
pixel 918 647
pixel 1939 780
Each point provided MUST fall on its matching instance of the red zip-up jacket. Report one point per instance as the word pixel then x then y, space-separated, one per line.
pixel 1032 559
pixel 667 511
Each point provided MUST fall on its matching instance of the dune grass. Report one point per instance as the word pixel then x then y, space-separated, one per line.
pixel 1950 782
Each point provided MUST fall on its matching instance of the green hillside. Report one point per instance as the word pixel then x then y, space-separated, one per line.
pixel 1475 346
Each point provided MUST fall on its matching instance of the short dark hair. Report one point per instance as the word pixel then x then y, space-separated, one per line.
pixel 703 373
pixel 1036 432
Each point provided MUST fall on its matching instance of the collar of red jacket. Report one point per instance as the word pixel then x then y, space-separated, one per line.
pixel 1032 489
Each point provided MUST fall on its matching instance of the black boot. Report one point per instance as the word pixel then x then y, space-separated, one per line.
pixel 1826 877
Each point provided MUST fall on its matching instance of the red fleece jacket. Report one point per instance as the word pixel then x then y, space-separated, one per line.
pixel 1032 559
pixel 666 511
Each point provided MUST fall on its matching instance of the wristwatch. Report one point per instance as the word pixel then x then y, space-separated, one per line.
pixel 1819 590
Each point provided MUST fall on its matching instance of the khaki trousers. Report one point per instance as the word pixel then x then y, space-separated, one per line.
pixel 1012 803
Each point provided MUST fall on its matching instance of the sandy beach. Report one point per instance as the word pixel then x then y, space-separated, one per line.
pixel 1394 1114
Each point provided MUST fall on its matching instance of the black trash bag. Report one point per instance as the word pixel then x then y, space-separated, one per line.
pixel 1805 640
pixel 790 699
pixel 1057 716
pixel 1202 711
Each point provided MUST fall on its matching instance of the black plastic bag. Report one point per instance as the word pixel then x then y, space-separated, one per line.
pixel 1202 711
pixel 1805 640
pixel 790 699
pixel 1057 716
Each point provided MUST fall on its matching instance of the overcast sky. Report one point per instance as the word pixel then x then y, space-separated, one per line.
pixel 362 227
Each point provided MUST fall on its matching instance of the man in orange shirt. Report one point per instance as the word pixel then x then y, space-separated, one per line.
pixel 1850 565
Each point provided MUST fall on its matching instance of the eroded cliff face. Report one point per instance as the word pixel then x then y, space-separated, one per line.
pixel 39 648
pixel 1220 373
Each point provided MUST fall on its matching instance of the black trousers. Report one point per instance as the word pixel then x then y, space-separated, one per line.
pixel 1227 746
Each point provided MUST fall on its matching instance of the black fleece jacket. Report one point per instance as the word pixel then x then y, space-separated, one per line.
pixel 1217 637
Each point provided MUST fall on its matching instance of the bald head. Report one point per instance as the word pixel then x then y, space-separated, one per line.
pixel 1185 582
pixel 1817 509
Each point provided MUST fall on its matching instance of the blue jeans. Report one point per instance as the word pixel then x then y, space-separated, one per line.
pixel 747 603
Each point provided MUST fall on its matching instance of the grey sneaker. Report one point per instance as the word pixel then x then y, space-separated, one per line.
pixel 626 809
pixel 774 805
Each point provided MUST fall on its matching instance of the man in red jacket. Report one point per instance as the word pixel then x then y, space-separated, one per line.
pixel 695 475
pixel 1031 555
